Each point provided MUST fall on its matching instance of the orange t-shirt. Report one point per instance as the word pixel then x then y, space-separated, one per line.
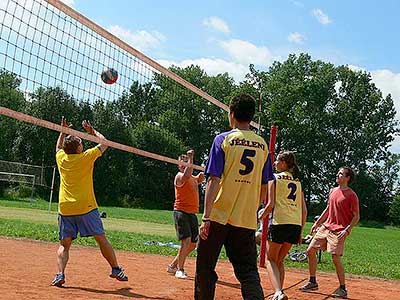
pixel 187 196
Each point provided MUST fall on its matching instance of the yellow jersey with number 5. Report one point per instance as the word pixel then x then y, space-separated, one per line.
pixel 241 159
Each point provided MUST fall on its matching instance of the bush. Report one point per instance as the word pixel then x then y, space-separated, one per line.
pixel 19 191
pixel 394 211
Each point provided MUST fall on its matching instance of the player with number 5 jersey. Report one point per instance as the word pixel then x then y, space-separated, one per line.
pixel 238 170
pixel 240 159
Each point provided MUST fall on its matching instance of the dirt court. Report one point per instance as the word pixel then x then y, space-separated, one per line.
pixel 29 266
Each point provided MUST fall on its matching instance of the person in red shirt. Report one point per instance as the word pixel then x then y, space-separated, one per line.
pixel 185 208
pixel 338 219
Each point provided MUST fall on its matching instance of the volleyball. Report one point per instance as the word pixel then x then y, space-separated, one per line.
pixel 109 75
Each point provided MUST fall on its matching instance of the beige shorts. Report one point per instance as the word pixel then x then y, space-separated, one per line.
pixel 325 239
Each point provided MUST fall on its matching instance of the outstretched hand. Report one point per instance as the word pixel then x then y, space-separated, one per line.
pixel 64 122
pixel 190 153
pixel 87 126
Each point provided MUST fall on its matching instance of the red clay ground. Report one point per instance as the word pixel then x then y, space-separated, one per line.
pixel 29 266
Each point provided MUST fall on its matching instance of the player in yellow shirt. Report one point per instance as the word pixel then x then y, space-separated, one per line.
pixel 77 208
pixel 238 169
pixel 289 213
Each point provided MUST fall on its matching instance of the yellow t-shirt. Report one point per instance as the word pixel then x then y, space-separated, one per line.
pixel 76 195
pixel 240 158
pixel 288 200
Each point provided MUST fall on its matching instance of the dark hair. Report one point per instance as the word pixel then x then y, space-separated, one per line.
pixel 290 159
pixel 71 144
pixel 243 107
pixel 349 173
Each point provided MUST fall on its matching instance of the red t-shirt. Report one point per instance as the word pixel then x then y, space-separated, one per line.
pixel 342 206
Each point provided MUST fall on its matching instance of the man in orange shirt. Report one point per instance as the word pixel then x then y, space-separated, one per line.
pixel 185 208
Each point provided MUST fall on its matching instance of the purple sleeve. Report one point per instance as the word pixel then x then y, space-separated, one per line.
pixel 216 159
pixel 267 173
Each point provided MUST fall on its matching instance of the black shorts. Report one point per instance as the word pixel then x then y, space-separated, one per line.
pixel 186 225
pixel 286 233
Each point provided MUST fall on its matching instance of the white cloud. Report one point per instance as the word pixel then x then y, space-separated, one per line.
pixel 246 53
pixel 296 37
pixel 212 66
pixel 356 68
pixel 140 39
pixel 297 3
pixel 216 24
pixel 69 2
pixel 321 16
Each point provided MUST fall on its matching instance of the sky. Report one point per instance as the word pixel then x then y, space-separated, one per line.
pixel 227 35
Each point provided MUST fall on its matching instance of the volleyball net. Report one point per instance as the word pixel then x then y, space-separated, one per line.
pixel 57 53
pixel 48 44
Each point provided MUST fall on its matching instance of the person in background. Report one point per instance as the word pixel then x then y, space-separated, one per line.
pixel 289 214
pixel 332 228
pixel 185 208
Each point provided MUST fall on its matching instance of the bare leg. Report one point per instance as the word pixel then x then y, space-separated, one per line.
pixel 339 268
pixel 186 247
pixel 107 250
pixel 312 261
pixel 281 258
pixel 174 263
pixel 63 254
pixel 272 265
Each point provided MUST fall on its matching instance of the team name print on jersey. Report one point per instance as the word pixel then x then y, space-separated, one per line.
pixel 246 143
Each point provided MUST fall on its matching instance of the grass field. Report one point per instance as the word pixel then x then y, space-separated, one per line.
pixel 369 251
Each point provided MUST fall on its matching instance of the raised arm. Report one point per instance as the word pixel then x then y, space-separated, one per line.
pixel 61 137
pixel 89 129
pixel 187 173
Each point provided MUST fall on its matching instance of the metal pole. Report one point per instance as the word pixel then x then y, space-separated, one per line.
pixel 263 246
pixel 33 186
pixel 52 187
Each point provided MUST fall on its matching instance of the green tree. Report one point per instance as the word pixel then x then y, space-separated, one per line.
pixel 152 181
pixel 394 212
pixel 36 145
pixel 10 97
pixel 332 116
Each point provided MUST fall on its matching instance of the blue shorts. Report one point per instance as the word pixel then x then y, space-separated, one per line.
pixel 88 224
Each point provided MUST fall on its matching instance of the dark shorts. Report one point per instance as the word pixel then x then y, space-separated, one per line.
pixel 87 225
pixel 186 225
pixel 286 233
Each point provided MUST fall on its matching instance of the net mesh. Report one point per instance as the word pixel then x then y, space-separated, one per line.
pixel 46 47
pixel 50 46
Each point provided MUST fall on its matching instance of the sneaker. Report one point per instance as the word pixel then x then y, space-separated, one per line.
pixel 339 293
pixel 118 273
pixel 172 269
pixel 282 296
pixel 59 280
pixel 181 274
pixel 309 286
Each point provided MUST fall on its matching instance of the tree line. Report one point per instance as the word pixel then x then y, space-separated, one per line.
pixel 330 115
